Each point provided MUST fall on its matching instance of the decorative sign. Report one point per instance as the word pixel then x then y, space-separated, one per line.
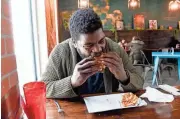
pixel 139 22
pixel 119 25
pixel 152 24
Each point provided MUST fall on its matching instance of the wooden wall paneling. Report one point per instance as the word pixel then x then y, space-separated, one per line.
pixel 153 39
pixel 50 10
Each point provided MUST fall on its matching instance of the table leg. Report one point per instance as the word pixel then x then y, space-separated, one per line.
pixel 156 62
pixel 178 68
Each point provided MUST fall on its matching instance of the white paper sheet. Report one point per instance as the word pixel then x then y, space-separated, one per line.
pixel 107 102
pixel 155 95
pixel 170 89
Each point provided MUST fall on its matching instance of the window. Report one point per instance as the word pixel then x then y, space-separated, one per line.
pixel 30 39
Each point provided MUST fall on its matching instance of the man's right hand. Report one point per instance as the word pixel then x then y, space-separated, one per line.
pixel 83 70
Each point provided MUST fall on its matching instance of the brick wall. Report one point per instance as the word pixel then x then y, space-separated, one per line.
pixel 10 106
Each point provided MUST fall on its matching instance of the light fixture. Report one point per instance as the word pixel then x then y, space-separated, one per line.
pixel 133 4
pixel 174 5
pixel 83 3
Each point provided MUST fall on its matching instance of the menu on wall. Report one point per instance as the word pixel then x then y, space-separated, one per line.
pixel 139 22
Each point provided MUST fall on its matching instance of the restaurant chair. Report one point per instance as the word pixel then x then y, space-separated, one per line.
pixel 164 63
pixel 147 68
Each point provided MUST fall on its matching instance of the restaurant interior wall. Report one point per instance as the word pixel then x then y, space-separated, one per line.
pixel 151 9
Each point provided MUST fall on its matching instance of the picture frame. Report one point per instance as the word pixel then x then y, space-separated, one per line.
pixel 153 24
pixel 119 25
pixel 139 22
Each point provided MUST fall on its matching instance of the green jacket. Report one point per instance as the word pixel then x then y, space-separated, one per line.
pixel 62 61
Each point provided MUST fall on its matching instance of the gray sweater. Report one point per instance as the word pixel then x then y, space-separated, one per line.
pixel 62 61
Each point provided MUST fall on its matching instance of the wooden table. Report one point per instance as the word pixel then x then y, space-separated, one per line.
pixel 76 109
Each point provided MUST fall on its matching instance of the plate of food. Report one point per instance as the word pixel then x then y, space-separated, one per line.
pixel 113 101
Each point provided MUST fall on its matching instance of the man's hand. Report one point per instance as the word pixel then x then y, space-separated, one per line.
pixel 115 65
pixel 83 70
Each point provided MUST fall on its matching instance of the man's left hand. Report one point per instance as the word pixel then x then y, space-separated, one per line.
pixel 113 61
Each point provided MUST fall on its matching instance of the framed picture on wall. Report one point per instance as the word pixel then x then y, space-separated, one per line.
pixel 152 24
pixel 139 22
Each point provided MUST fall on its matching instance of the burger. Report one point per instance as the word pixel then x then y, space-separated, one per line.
pixel 97 57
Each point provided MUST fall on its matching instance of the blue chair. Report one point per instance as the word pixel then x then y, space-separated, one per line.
pixel 164 63
pixel 159 55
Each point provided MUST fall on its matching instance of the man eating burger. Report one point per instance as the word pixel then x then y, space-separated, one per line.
pixel 88 62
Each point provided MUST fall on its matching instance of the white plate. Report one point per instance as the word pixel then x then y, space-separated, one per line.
pixel 108 102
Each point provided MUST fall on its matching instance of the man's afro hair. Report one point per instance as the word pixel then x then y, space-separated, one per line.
pixel 84 21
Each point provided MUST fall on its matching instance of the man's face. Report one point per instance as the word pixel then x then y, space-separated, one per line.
pixel 92 43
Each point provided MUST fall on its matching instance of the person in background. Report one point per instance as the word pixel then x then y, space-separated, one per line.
pixel 72 71
pixel 173 42
pixel 136 56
